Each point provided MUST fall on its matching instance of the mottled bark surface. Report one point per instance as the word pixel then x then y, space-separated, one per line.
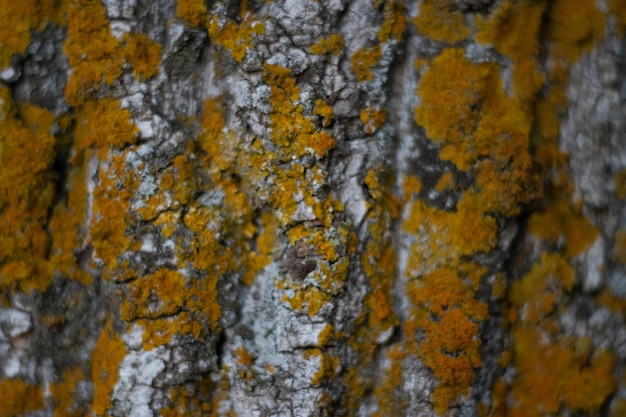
pixel 313 208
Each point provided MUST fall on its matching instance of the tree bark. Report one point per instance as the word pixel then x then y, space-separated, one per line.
pixel 313 208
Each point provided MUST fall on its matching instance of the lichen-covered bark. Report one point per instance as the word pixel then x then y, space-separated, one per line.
pixel 313 208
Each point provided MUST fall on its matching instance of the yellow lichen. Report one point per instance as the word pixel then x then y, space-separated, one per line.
pixel 619 178
pixel 451 92
pixel 513 30
pixel 554 374
pixel 193 12
pixel 19 398
pixel 67 227
pixel 235 37
pixel 291 130
pixel 330 44
pixel 372 119
pixel 446 182
pixel 166 287
pixel 378 260
pixel 27 192
pixel 328 365
pixel 103 124
pixel 92 51
pixel 143 53
pixel 536 294
pixel 183 402
pixel 19 18
pixel 561 220
pixel 107 356
pixel 466 111
pixel 440 21
pixel 575 26
pixel 325 111
pixel 394 23
pixel 111 213
pixel 363 60
pixel 64 391
pixel 618 9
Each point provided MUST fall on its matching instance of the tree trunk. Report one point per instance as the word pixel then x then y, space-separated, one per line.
pixel 313 208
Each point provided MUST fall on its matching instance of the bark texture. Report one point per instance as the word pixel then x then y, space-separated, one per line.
pixel 313 208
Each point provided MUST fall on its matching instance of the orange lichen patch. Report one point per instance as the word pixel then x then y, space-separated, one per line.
pixel 446 182
pixel 159 331
pixel 63 393
pixel 394 23
pixel 547 110
pixel 444 289
pixel 155 295
pixel 209 140
pixel 333 276
pixel 445 315
pixel 447 234
pixel 538 292
pixel 26 195
pixel 363 60
pixel 381 310
pixel 318 241
pixel 612 302
pixel 330 44
pixel 326 335
pixel 410 186
pixel 378 260
pixel 441 21
pixel 451 350
pixel 561 220
pixel 92 51
pixel 373 187
pixel 379 266
pixel 103 124
pixel 619 251
pixel 111 211
pixel 619 178
pixel 452 91
pixel 310 298
pixel 513 30
pixel 574 28
pixel 325 111
pixel 372 119
pixel 67 227
pixel 143 53
pixel 168 221
pixel 618 10
pixel 19 18
pixel 618 408
pixel 465 110
pixel 551 375
pixel 328 365
pixel 19 398
pixel 265 247
pixel 244 357
pixel 591 385
pixel 321 143
pixel 193 12
pixel 186 181
pixel 184 402
pixel 388 394
pixel 107 356
pixel 448 314
pixel 294 133
pixel 235 37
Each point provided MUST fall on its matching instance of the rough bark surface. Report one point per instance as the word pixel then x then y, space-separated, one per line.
pixel 313 208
